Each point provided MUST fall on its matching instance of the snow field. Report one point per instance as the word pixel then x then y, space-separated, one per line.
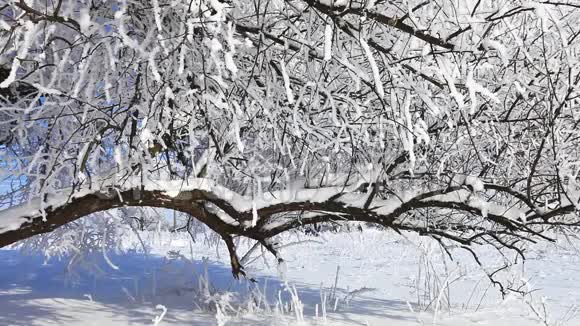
pixel 357 278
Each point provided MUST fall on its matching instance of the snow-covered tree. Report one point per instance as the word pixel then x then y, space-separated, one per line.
pixel 454 119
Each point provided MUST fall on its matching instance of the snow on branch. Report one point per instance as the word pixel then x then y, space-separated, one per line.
pixel 407 117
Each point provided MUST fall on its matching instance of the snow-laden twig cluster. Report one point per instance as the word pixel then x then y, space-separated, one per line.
pixel 455 122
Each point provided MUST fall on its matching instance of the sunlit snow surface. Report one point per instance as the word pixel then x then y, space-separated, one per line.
pixel 381 270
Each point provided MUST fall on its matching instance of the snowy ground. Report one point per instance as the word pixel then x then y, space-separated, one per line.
pixel 381 279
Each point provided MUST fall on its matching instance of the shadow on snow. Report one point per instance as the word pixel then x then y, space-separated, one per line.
pixel 32 289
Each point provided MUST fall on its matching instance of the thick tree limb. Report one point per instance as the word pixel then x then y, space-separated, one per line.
pixel 52 218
